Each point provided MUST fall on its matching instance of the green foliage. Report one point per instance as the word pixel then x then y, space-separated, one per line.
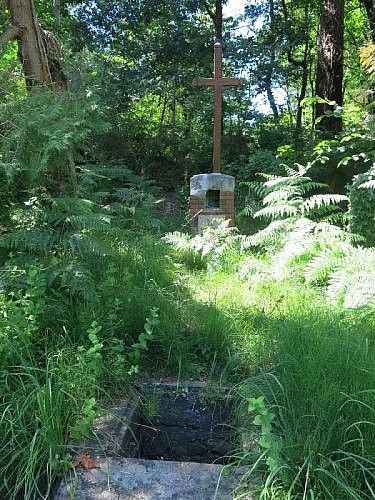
pixel 362 206
pixel 215 247
pixel 42 400
pixel 81 429
pixel 38 134
pixel 316 381
pixel 138 348
pixel 291 305
pixel 285 196
pixel 263 418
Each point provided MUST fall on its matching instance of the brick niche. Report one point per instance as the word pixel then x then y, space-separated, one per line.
pixel 211 197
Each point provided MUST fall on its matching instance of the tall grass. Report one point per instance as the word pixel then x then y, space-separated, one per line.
pixel 314 363
pixel 318 379
pixel 36 414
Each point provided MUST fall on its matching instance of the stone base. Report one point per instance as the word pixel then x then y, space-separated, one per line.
pixel 211 197
pixel 135 479
pixel 126 478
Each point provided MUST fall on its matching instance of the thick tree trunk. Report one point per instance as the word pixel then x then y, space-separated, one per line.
pixel 329 71
pixel 31 48
pixel 39 51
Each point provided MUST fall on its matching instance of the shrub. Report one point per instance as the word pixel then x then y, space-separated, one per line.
pixel 362 206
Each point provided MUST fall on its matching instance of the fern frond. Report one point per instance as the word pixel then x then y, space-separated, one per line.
pixel 324 264
pixel 298 241
pixel 270 177
pixel 37 239
pixel 123 214
pixel 290 171
pixel 356 271
pixel 277 211
pixel 270 234
pixel 257 188
pixel 110 172
pixel 128 194
pixel 86 245
pixel 78 279
pixel 249 210
pixel 368 185
pixel 310 186
pixel 70 206
pixel 180 241
pixel 97 222
pixel 281 195
pixel 98 196
pixel 321 200
pixel 296 180
pixel 360 290
pixel 336 283
pixel 332 231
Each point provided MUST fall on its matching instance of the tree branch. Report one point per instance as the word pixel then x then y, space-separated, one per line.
pixel 12 33
pixel 296 62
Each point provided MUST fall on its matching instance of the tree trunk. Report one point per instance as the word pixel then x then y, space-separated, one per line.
pixel 38 50
pixel 270 66
pixel 41 58
pixel 217 18
pixel 369 6
pixel 56 6
pixel 329 71
pixel 30 42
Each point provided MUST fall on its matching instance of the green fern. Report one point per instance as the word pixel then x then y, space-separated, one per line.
pixel 79 280
pixel 285 196
pixel 218 246
pixel 36 239
pixel 321 200
pixel 368 185
pixel 320 267
pixel 271 234
pixel 70 237
pixel 280 210
pixel 353 281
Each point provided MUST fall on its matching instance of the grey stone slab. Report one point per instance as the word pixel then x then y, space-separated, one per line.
pixel 212 221
pixel 135 479
pixel 111 430
pixel 201 183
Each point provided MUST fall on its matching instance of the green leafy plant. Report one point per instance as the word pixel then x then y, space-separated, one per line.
pixel 263 419
pixel 83 426
pixel 362 206
pixel 140 347
pixel 216 247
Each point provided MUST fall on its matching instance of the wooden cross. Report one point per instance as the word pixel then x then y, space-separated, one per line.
pixel 218 82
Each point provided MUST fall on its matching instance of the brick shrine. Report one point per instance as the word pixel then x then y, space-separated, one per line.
pixel 211 197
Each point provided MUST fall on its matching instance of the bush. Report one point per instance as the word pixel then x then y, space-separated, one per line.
pixel 362 206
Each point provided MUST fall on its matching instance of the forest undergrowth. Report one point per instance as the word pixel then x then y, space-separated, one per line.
pixel 95 296
pixel 297 304
pixel 94 300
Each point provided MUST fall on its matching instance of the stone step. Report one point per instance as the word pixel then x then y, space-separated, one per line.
pixel 137 479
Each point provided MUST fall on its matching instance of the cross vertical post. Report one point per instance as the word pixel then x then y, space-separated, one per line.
pixel 218 82
pixel 218 114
